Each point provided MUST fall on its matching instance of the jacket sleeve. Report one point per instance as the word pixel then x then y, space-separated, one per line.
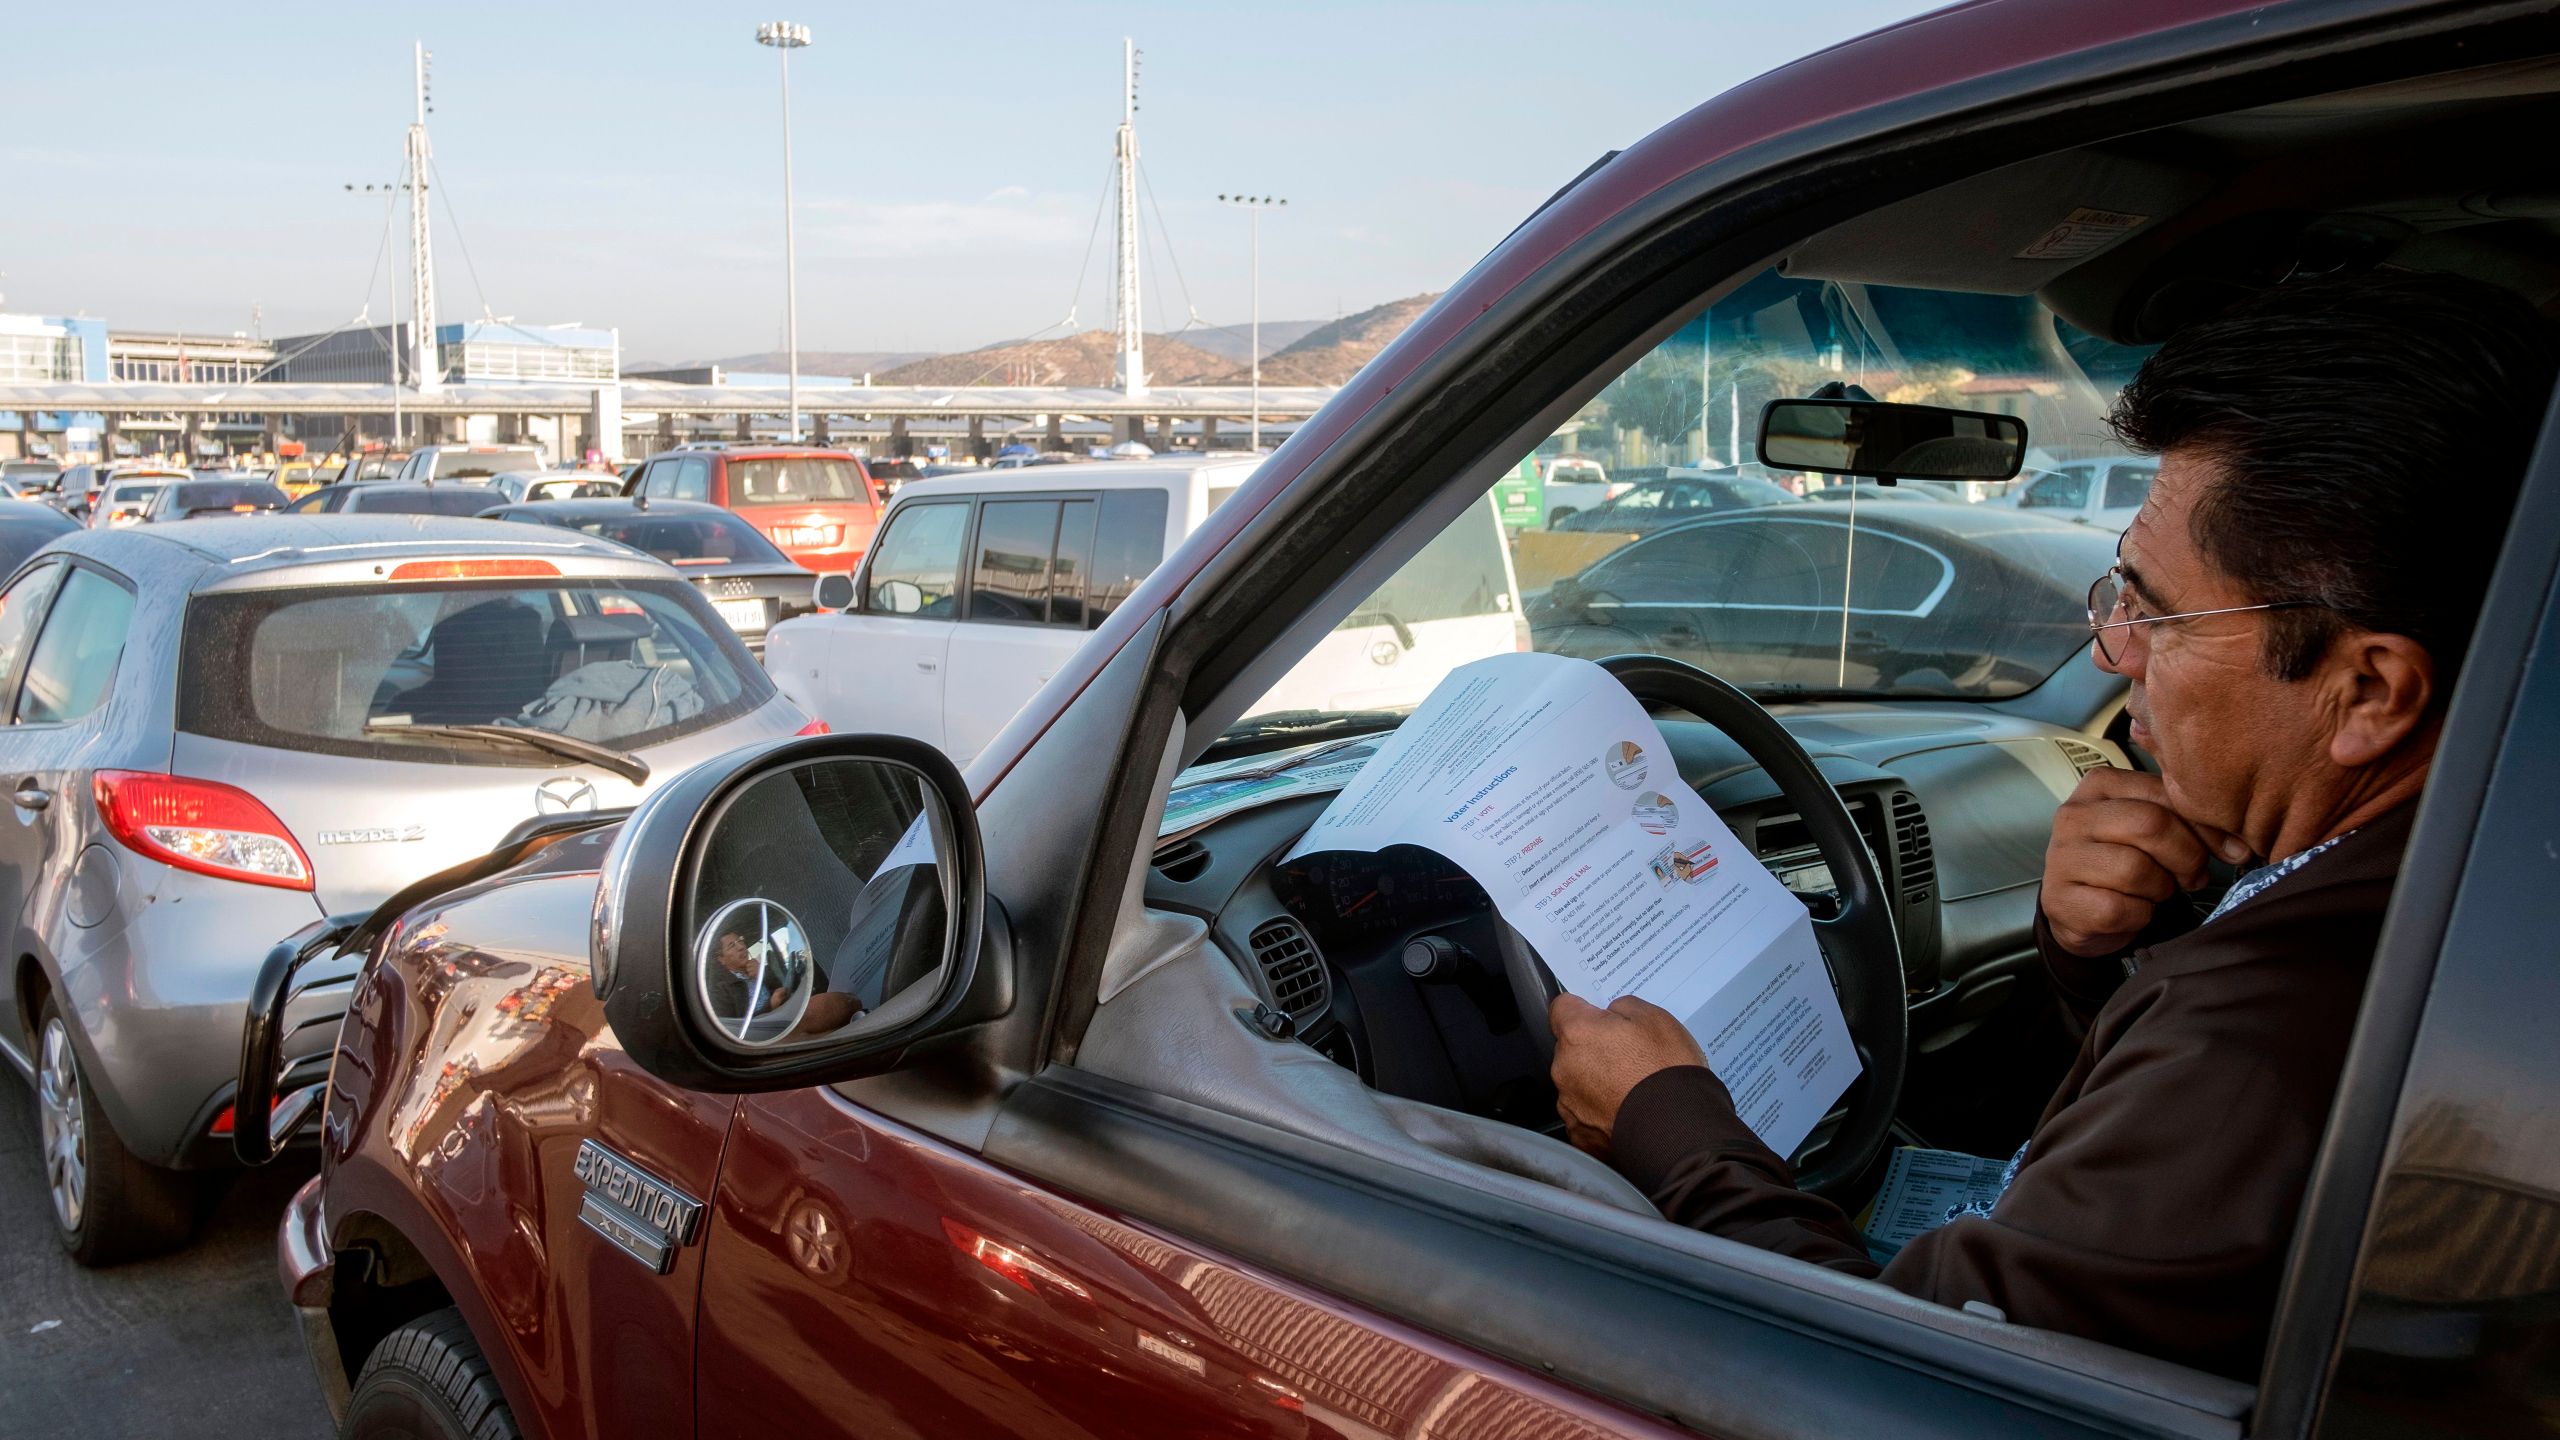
pixel 1677 1137
pixel 2082 983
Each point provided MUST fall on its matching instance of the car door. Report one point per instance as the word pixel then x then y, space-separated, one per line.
pixel 26 837
pixel 883 660
pixel 1025 615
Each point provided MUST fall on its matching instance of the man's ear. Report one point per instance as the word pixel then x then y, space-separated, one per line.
pixel 2386 688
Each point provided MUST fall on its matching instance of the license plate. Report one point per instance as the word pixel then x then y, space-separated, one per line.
pixel 742 615
pixel 807 534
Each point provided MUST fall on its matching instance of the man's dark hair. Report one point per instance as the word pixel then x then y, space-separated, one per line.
pixel 2371 432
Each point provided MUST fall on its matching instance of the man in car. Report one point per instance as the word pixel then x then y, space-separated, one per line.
pixel 2291 607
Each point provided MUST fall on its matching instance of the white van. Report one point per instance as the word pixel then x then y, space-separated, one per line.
pixel 980 586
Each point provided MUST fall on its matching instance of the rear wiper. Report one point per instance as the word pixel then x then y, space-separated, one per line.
pixel 621 762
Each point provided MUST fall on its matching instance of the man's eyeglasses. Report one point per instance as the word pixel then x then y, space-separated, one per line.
pixel 2109 620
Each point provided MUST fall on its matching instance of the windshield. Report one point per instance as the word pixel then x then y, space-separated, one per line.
pixel 1949 590
pixel 796 480
pixel 222 496
pixel 471 464
pixel 623 663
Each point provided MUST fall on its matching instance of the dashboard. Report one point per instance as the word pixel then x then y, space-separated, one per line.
pixel 1387 961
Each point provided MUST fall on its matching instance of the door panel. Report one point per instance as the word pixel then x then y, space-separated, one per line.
pixel 863 1280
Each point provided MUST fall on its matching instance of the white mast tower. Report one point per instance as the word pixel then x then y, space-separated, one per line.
pixel 423 369
pixel 1132 366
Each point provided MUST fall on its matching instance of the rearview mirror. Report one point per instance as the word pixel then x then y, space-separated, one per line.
pixel 1890 442
pixel 833 592
pixel 803 913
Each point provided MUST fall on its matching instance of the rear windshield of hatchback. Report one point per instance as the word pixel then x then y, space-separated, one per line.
pixel 795 480
pixel 221 496
pixel 367 670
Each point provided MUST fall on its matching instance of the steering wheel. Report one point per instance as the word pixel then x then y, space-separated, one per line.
pixel 1859 944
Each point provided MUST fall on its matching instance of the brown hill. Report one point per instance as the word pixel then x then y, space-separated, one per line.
pixel 1332 354
pixel 1084 358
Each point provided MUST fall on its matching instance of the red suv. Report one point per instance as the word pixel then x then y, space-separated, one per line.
pixel 819 506
pixel 833 1093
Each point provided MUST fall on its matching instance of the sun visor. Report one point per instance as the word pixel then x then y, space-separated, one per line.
pixel 2008 232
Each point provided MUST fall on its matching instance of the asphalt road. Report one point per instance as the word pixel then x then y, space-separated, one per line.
pixel 200 1343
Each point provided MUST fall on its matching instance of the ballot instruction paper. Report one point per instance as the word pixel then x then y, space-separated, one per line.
pixel 1544 779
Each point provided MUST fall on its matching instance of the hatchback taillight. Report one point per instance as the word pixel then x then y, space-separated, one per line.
pixel 200 825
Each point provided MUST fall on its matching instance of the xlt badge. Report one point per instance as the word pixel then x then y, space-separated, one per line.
pixel 643 1216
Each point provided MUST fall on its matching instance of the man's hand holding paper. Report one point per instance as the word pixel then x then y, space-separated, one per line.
pixel 1550 785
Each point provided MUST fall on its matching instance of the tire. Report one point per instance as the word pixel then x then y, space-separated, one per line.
pixel 427 1380
pixel 108 1204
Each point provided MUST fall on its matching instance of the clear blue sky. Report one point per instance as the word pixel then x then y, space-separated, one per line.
pixel 169 164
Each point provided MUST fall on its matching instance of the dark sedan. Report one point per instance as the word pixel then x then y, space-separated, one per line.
pixel 1944 599
pixel 746 578
pixel 188 499
pixel 1679 498
pixel 26 529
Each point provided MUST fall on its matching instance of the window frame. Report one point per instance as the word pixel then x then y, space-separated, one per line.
pixel 16 682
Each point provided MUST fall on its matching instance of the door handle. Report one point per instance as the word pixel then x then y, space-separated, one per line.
pixel 928 666
pixel 31 798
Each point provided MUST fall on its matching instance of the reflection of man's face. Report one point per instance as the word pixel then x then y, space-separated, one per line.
pixel 731 952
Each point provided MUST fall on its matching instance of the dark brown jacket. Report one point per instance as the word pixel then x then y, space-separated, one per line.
pixel 2159 1192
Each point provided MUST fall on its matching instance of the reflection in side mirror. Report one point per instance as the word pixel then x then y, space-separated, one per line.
pixel 817 904
pixel 1889 441
pixel 833 592
pixel 805 912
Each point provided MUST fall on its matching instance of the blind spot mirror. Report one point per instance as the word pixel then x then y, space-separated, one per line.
pixel 1887 441
pixel 834 592
pixel 753 971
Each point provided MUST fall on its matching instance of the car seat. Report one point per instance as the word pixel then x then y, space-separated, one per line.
pixel 489 664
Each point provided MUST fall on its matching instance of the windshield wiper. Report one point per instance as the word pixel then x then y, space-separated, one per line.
pixel 621 762
pixel 1404 632
pixel 1298 724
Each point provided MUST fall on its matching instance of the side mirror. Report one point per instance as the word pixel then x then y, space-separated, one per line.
pixel 834 591
pixel 796 914
pixel 1887 441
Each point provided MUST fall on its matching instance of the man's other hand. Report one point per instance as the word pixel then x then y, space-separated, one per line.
pixel 1601 1055
pixel 2117 851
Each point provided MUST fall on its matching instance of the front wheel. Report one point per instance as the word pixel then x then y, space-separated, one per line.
pixel 108 1204
pixel 428 1380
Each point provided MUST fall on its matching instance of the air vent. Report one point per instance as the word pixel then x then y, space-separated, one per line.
pixel 1293 969
pixel 1182 861
pixel 1916 860
pixel 2083 757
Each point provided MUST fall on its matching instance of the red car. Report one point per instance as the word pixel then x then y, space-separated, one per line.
pixel 834 1093
pixel 819 506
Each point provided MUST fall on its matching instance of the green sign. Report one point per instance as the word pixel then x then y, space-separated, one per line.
pixel 1520 497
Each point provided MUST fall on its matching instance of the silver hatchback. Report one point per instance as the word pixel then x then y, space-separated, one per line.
pixel 215 732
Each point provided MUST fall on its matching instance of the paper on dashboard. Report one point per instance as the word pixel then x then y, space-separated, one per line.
pixel 1542 778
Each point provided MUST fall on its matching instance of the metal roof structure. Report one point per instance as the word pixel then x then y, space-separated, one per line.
pixel 650 397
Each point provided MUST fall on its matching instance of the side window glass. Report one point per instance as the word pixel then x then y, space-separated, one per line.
pixel 1643 497
pixel 2062 490
pixel 2128 486
pixel 1127 545
pixel 693 479
pixel 1016 539
pixel 20 609
pixel 915 566
pixel 652 480
pixel 1686 566
pixel 1896 576
pixel 75 658
pixel 1073 569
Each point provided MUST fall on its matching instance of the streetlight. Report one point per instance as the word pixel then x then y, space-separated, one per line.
pixel 1256 204
pixel 786 37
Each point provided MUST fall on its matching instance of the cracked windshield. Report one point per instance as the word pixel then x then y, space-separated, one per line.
pixel 1646 524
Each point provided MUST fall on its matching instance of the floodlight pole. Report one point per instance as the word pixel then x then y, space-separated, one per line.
pixel 1254 206
pixel 785 36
